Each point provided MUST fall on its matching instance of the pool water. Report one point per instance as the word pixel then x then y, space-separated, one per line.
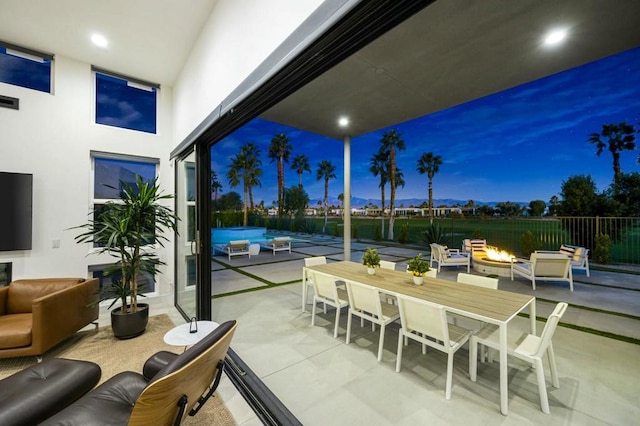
pixel 251 233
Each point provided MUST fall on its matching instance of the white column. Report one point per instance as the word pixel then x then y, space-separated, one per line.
pixel 347 198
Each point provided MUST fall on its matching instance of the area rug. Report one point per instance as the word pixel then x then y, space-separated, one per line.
pixel 114 355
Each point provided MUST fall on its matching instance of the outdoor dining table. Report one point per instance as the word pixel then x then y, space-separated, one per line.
pixel 487 305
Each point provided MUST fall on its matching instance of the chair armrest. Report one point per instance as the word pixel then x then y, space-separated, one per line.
pixel 58 315
pixel 4 291
pixel 453 251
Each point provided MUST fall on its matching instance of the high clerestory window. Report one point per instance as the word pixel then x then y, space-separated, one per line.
pixel 25 67
pixel 125 102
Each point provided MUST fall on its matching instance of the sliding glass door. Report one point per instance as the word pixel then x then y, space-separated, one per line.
pixel 186 240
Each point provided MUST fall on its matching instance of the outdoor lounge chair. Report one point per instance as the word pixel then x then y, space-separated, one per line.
pixel 579 256
pixel 449 257
pixel 237 248
pixel 278 244
pixel 544 267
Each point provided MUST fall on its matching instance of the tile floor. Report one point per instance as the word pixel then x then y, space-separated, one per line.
pixel 324 381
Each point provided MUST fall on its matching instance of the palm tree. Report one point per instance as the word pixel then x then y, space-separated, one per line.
pixel 253 176
pixel 325 171
pixel 429 164
pixel 392 142
pixel 216 186
pixel 378 168
pixel 300 164
pixel 619 137
pixel 280 151
pixel 245 168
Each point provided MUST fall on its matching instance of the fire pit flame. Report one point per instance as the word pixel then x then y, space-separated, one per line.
pixel 497 255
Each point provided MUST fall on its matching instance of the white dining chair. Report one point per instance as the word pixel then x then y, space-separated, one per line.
pixel 525 346
pixel 364 302
pixel 311 261
pixel 420 320
pixel 327 292
pixel 477 280
pixel 387 264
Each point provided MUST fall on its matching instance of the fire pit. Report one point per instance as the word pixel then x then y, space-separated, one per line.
pixel 493 261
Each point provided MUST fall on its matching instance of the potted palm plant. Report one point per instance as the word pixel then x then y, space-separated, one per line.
pixel 127 230
pixel 418 266
pixel 371 259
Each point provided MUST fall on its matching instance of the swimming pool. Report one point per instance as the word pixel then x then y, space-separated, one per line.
pixel 254 234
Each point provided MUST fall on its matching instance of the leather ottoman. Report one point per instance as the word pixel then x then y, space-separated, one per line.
pixel 38 392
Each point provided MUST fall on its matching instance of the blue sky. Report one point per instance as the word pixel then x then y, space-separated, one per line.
pixel 515 145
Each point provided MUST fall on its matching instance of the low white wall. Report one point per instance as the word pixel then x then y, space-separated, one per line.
pixel 51 136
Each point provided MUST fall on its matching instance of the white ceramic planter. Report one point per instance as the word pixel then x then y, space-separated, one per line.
pixel 417 280
pixel 371 271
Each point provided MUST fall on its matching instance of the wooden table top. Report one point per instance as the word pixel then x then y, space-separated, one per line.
pixel 477 302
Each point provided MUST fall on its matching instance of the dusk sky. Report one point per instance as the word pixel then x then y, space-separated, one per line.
pixel 516 145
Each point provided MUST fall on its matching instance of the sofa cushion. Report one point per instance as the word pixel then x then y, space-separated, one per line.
pixel 22 293
pixel 15 330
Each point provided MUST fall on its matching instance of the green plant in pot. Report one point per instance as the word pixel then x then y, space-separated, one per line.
pixel 418 266
pixel 126 230
pixel 371 259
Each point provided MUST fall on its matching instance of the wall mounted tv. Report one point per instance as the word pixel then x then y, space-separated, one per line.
pixel 16 205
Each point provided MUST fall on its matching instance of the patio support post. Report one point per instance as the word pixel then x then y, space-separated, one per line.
pixel 346 193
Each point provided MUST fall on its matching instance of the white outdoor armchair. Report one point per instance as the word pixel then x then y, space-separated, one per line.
pixel 579 256
pixel 544 267
pixel 448 257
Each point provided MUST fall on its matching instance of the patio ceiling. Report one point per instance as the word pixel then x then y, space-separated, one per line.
pixel 452 52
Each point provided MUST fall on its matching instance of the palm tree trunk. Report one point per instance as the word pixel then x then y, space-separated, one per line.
pixel 280 185
pixel 245 216
pixel 392 178
pixel 431 201
pixel 382 212
pixel 326 203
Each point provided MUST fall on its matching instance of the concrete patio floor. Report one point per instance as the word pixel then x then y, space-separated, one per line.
pixel 322 380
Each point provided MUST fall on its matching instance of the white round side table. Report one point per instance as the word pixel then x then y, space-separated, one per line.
pixel 181 336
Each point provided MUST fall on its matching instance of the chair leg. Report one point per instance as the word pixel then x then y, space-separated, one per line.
pixel 381 341
pixel 335 328
pixel 473 358
pixel 447 392
pixel 542 386
pixel 349 315
pixel 552 366
pixel 313 311
pixel 399 351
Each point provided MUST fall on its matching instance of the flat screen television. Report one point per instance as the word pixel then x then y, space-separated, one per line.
pixel 16 211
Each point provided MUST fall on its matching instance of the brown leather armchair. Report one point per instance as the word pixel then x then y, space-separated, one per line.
pixel 37 314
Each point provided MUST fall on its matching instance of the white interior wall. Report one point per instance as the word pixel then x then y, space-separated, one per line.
pixel 51 136
pixel 238 36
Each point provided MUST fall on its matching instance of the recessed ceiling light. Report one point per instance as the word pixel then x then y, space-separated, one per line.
pixel 555 37
pixel 343 121
pixel 99 40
